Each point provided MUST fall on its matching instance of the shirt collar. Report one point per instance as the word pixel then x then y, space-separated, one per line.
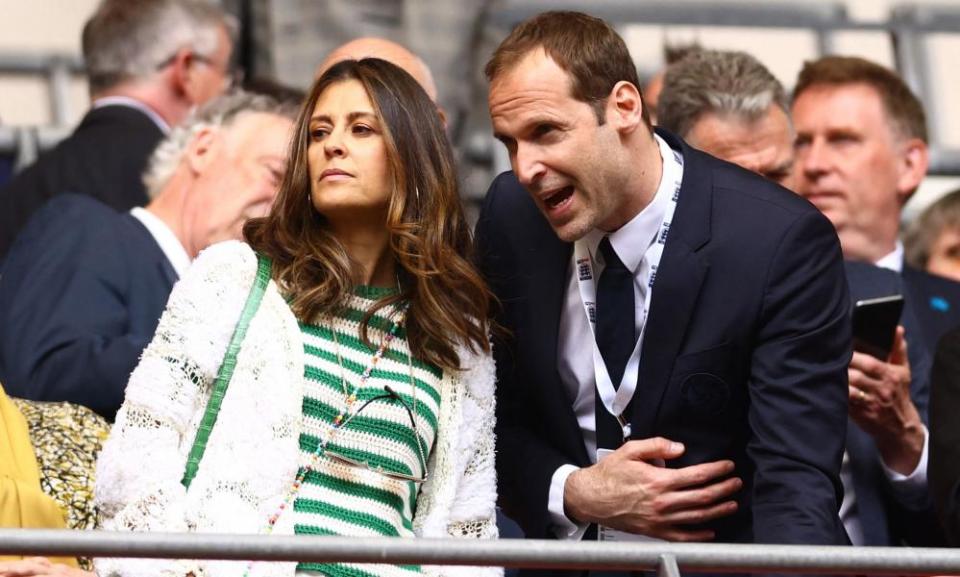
pixel 169 243
pixel 632 240
pixel 135 104
pixel 894 260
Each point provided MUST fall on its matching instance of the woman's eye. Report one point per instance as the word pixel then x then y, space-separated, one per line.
pixel 318 133
pixel 362 129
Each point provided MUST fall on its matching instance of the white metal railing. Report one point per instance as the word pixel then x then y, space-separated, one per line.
pixel 667 558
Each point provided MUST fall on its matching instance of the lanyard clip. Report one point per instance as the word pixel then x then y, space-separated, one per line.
pixel 625 426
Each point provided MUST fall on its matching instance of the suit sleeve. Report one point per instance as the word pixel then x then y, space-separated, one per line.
pixel 944 468
pixel 525 461
pixel 65 331
pixel 798 389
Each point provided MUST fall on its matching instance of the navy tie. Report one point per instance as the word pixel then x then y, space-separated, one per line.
pixel 615 334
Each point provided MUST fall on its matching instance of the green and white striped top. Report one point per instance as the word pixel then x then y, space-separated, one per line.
pixel 344 499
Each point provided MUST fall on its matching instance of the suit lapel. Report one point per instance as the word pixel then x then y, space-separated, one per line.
pixel 548 290
pixel 677 285
pixel 166 270
pixel 153 251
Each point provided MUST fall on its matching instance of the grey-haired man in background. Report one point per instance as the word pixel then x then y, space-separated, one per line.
pixel 84 286
pixel 149 63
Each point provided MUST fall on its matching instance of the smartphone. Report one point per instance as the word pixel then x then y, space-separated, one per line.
pixel 875 325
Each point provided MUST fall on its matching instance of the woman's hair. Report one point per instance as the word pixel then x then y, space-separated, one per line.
pixel 924 231
pixel 429 237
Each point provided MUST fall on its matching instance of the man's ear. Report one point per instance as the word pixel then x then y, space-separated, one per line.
pixel 202 149
pixel 625 107
pixel 182 71
pixel 914 161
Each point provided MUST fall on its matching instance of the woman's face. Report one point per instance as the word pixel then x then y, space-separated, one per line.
pixel 945 254
pixel 347 155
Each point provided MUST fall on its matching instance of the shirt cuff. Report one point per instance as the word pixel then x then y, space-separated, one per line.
pixel 911 489
pixel 562 526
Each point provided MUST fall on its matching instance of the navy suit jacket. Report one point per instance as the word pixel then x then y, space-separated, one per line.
pixel 936 301
pixel 945 434
pixel 745 355
pixel 103 158
pixel 81 293
pixel 885 518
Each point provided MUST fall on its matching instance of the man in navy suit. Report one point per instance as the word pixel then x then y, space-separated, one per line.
pixel 84 286
pixel 711 402
pixel 148 64
pixel 729 105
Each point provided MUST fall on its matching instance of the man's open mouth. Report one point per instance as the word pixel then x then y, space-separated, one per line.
pixel 559 197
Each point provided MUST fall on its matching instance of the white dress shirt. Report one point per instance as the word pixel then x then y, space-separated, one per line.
pixel 575 358
pixel 169 243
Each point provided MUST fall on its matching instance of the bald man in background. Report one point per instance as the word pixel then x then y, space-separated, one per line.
pixel 391 52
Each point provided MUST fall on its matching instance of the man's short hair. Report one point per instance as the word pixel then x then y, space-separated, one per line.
pixel 673 53
pixel 133 39
pixel 903 108
pixel 585 47
pixel 220 112
pixel 725 83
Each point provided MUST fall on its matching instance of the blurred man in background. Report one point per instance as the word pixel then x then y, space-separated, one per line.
pixel 861 154
pixel 149 63
pixel 84 286
pixel 391 52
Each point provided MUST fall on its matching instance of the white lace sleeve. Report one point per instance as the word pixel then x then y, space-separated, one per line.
pixel 473 512
pixel 139 471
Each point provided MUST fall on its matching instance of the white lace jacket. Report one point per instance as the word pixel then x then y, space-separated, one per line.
pixel 251 456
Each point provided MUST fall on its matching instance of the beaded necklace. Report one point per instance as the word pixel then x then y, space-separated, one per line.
pixel 343 418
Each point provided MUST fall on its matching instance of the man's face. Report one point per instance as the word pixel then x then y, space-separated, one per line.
pixel 944 257
pixel 238 173
pixel 764 146
pixel 572 166
pixel 853 165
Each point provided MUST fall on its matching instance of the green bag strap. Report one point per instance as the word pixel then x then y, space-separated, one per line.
pixel 226 369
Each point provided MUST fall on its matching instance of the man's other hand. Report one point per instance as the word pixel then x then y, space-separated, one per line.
pixel 880 404
pixel 625 491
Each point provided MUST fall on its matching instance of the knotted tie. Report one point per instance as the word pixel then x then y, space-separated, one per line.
pixel 615 334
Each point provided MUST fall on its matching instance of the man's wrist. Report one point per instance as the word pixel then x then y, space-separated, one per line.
pixel 901 453
pixel 572 501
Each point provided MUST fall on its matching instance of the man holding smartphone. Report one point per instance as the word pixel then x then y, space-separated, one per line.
pixel 884 481
pixel 861 152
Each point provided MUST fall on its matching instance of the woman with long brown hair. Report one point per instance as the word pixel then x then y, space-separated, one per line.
pixel 353 395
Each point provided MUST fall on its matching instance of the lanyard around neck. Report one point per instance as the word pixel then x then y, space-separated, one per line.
pixel 615 401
